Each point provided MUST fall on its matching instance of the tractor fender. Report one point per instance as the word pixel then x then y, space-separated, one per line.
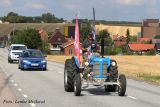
pixel 76 61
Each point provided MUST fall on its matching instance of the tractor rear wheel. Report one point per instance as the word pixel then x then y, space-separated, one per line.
pixel 69 73
pixel 77 85
pixel 122 85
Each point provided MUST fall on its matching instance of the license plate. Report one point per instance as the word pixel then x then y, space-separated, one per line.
pixel 34 64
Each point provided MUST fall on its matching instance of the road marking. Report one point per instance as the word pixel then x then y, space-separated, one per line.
pixel 12 81
pixel 32 104
pixel 19 89
pixel 60 72
pixel 25 96
pixel 132 97
pixel 15 85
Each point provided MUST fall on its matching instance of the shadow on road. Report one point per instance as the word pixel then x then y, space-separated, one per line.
pixel 5 83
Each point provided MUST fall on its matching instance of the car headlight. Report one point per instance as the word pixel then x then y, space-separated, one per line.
pixel 113 63
pixel 44 61
pixel 25 61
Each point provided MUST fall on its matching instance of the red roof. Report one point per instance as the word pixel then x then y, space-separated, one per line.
pixel 140 40
pixel 119 43
pixel 115 37
pixel 70 42
pixel 141 47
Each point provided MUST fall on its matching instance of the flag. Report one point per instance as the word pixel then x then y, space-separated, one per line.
pixel 77 43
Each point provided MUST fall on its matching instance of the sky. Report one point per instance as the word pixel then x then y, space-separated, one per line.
pixel 109 10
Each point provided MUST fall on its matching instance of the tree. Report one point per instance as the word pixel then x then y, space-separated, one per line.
pixel 157 37
pixel 133 39
pixel 84 31
pixel 105 34
pixel 128 38
pixel 29 37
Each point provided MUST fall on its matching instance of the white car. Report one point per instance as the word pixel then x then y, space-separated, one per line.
pixel 14 51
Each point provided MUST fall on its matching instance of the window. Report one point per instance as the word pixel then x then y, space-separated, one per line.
pixel 70 51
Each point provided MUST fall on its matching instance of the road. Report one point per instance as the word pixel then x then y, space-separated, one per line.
pixel 47 86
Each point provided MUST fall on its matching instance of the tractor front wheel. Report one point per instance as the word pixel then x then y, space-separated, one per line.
pixel 122 85
pixel 77 85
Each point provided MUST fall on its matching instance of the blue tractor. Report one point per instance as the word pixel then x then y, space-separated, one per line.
pixel 97 70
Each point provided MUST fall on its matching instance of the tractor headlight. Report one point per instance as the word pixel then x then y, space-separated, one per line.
pixel 86 63
pixel 113 63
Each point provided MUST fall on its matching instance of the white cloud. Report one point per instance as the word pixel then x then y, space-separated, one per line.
pixel 38 6
pixel 136 2
pixel 71 6
pixel 5 3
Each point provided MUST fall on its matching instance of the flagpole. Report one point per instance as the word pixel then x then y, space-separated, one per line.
pixel 93 26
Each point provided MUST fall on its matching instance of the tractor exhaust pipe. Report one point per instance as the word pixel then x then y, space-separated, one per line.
pixel 102 46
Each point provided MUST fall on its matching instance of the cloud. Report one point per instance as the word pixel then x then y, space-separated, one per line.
pixel 5 3
pixel 135 2
pixel 71 6
pixel 38 6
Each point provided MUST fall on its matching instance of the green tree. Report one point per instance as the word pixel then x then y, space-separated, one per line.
pixel 128 36
pixel 84 31
pixel 157 37
pixel 106 35
pixel 133 39
pixel 29 37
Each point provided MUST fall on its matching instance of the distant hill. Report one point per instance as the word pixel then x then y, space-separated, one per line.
pixel 6 29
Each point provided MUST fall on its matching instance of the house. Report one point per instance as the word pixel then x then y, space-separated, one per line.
pixel 44 35
pixel 141 47
pixel 157 44
pixel 143 40
pixel 119 43
pixel 56 39
pixel 150 28
pixel 68 47
pixel 119 40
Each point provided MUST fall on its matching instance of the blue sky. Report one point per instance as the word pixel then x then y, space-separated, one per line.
pixel 111 10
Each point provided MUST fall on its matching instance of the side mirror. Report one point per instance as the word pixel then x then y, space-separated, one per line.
pixel 9 49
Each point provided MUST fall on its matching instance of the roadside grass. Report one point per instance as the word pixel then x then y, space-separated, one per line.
pixel 148 77
pixel 137 67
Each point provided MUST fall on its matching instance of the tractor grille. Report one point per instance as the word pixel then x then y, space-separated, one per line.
pixel 96 68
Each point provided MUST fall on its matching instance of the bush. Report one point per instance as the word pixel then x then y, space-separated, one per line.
pixel 151 52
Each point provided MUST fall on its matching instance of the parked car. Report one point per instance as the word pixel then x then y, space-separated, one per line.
pixel 14 51
pixel 32 59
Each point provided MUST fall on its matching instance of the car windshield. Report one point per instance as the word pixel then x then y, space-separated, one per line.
pixel 33 53
pixel 18 47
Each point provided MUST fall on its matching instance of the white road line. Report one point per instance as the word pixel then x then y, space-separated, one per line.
pixel 60 72
pixel 19 89
pixel 132 97
pixel 25 96
pixel 12 81
pixel 32 104
pixel 15 85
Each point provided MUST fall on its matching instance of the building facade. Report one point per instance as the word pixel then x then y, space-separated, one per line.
pixel 150 28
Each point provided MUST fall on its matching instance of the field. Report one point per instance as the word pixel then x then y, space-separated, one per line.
pixel 120 30
pixel 137 67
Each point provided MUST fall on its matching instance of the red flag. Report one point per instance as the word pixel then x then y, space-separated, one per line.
pixel 77 43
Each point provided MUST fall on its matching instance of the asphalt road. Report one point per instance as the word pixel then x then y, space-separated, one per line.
pixel 47 86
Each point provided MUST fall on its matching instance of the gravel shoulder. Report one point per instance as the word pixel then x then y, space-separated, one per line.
pixel 7 99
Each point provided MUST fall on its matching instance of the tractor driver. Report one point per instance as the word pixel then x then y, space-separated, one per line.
pixel 89 41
